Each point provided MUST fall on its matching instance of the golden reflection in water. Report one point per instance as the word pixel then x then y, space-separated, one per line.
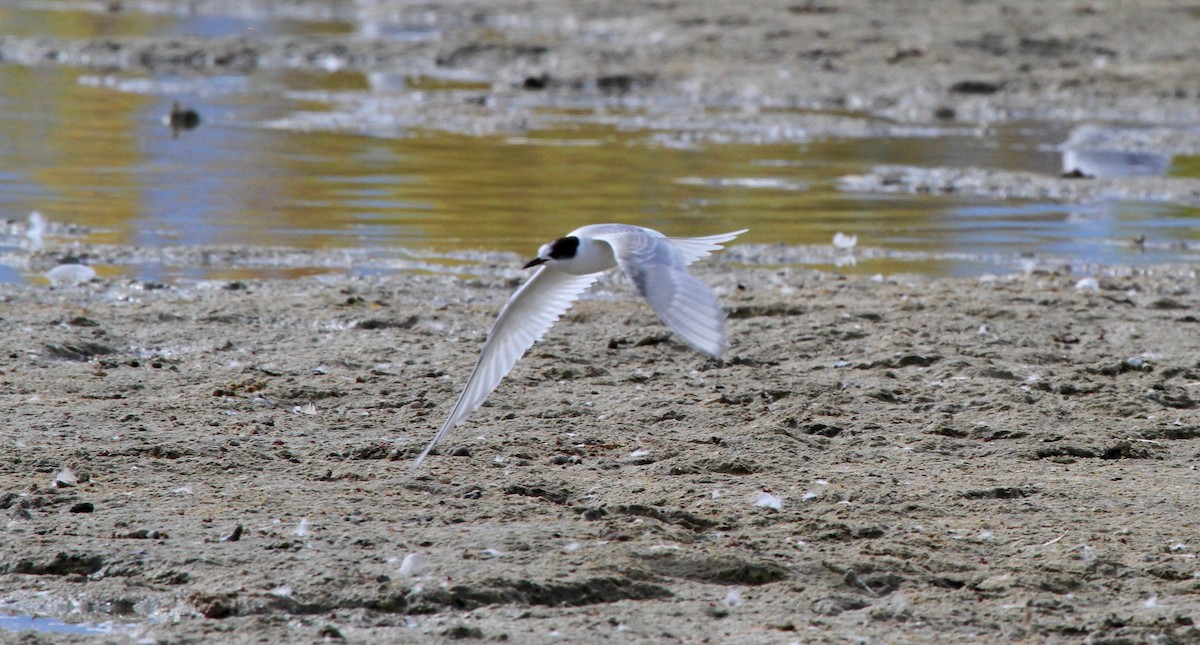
pixel 30 21
pixel 1185 167
pixel 443 191
pixel 78 144
pixel 97 157
pixel 99 161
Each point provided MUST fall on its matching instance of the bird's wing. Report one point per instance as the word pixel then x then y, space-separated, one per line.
pixel 527 316
pixel 698 248
pixel 658 270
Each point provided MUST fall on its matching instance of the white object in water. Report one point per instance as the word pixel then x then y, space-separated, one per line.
pixel 36 231
pixel 843 241
pixel 1101 151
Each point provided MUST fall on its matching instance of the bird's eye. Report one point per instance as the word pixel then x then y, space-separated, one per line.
pixel 564 248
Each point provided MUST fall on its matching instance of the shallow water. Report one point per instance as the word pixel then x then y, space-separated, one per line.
pixel 91 150
pixel 25 623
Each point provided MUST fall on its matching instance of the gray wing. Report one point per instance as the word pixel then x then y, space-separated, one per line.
pixel 692 248
pixel 658 269
pixel 527 316
pixel 698 248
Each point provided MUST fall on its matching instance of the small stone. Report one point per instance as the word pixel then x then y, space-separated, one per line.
pixel 216 608
pixel 143 534
pixel 716 612
pixel 460 632
pixel 975 87
pixel 994 583
pixel 83 507
pixel 536 82
pixel 329 631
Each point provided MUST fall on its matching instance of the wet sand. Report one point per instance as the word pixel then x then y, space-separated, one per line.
pixel 1001 459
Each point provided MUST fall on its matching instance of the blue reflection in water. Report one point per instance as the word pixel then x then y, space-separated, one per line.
pixel 22 623
pixel 1110 232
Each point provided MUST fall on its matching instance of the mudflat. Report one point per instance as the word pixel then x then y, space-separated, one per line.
pixel 895 459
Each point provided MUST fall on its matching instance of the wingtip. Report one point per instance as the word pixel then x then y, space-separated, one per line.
pixel 412 469
pixel 712 350
pixel 721 350
pixel 416 464
pixel 725 238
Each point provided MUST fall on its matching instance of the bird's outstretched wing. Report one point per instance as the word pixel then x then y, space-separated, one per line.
pixel 657 266
pixel 698 248
pixel 527 316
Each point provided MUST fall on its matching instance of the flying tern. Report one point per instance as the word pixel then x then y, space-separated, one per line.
pixel 565 268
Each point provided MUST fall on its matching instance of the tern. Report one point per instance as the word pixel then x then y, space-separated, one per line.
pixel 565 268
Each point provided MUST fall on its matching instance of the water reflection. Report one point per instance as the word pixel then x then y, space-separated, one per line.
pixel 74 21
pixel 91 149
pixel 68 150
pixel 87 18
pixel 24 623
pixel 1095 151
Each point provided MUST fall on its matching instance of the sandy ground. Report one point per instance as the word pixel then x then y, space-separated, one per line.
pixel 991 460
pixel 1001 460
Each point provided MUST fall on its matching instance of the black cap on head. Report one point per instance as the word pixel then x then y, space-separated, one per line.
pixel 564 248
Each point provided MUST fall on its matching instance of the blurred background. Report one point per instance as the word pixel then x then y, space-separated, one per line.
pixel 331 149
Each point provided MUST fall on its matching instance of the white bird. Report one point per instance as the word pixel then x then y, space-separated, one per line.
pixel 657 266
